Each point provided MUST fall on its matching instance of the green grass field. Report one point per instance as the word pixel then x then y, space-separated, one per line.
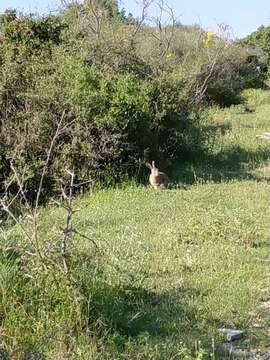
pixel 172 267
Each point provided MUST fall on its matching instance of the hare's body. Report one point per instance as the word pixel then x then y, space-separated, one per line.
pixel 157 179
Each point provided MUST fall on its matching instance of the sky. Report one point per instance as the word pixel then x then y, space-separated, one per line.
pixel 243 16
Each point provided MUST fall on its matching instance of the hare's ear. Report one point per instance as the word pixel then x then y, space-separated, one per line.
pixel 153 164
pixel 148 165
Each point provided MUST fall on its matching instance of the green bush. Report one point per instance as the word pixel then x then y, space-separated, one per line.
pixel 258 43
pixel 124 94
pixel 256 97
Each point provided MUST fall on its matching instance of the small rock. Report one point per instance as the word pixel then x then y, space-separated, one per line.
pixel 232 334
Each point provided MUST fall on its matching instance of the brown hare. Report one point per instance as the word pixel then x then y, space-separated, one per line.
pixel 157 179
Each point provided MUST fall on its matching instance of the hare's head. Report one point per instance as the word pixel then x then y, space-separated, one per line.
pixel 153 168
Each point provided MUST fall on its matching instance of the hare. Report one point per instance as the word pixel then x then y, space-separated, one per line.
pixel 157 179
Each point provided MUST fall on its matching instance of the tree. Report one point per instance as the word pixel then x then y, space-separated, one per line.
pixel 259 42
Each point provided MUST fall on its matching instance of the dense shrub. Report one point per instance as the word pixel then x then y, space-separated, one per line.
pixel 126 91
pixel 258 43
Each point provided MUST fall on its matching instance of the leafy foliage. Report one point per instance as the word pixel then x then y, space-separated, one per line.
pixel 259 41
pixel 127 91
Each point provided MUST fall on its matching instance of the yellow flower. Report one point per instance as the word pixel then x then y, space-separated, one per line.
pixel 209 39
pixel 210 35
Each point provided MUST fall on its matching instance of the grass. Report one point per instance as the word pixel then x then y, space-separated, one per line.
pixel 171 268
pixel 235 152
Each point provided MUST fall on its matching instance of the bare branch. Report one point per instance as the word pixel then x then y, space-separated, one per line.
pixel 97 29
pixel 48 159
pixel 67 231
pixel 21 188
pixel 85 237
pixel 145 5
pixel 164 29
pixel 9 212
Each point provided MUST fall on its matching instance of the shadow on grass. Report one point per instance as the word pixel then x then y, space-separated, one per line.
pixel 200 165
pixel 134 312
pixel 235 163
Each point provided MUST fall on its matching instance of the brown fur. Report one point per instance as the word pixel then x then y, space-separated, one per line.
pixel 157 179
